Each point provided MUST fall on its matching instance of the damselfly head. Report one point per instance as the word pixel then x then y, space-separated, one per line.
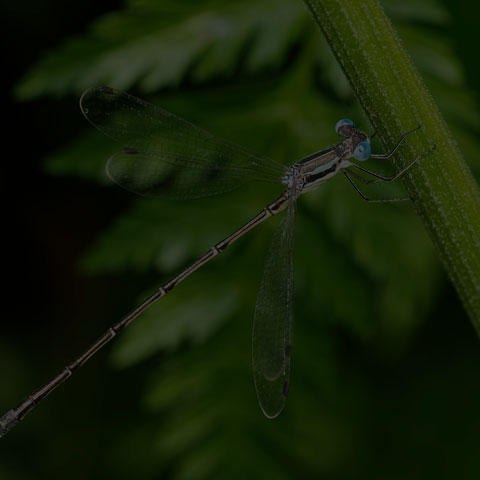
pixel 362 151
pixel 345 127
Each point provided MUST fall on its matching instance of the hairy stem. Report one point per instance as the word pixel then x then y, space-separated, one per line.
pixel 395 98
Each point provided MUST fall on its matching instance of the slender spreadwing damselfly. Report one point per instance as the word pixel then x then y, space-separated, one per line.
pixel 166 155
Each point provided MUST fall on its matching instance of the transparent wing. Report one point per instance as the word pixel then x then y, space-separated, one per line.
pixel 166 155
pixel 272 326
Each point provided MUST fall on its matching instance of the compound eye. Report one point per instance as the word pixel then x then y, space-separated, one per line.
pixel 362 151
pixel 343 123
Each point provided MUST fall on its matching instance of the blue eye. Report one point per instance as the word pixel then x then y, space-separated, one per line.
pixel 362 151
pixel 341 123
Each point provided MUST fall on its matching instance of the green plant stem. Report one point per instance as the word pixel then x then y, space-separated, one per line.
pixel 395 98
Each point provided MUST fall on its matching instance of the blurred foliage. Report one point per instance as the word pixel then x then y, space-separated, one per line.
pixel 257 72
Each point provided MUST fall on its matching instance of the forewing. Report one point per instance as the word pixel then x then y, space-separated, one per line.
pixel 166 155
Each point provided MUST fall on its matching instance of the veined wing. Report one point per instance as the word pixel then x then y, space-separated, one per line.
pixel 272 327
pixel 166 155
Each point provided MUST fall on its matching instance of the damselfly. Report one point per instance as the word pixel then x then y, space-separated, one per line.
pixel 165 154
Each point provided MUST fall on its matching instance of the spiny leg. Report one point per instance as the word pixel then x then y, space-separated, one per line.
pixel 402 138
pixel 381 178
pixel 362 179
pixel 371 200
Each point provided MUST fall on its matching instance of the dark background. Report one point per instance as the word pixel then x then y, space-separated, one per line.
pixel 425 420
